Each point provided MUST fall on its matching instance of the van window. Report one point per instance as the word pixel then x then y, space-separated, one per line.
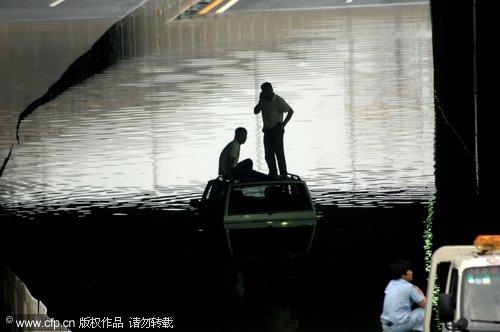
pixel 481 295
pixel 266 198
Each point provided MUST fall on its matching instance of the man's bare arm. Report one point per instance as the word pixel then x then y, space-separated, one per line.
pixel 230 162
pixel 288 117
pixel 422 303
pixel 257 108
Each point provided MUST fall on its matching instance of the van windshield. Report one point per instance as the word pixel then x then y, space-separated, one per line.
pixel 481 295
pixel 265 198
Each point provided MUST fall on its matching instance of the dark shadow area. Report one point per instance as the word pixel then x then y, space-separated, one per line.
pixel 129 262
pixel 465 202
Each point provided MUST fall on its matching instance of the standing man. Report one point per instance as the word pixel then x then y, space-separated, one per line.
pixel 400 294
pixel 272 107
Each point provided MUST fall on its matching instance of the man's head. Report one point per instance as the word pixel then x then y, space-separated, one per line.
pixel 401 269
pixel 240 134
pixel 267 91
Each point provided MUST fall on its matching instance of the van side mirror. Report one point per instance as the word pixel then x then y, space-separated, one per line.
pixel 445 308
pixel 195 203
pixel 446 313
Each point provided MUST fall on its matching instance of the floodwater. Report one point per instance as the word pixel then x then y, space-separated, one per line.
pixel 106 169
pixel 33 56
pixel 147 132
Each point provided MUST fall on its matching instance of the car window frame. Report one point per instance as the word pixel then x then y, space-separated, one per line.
pixel 297 184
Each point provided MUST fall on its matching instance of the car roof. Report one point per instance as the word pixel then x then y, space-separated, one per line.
pixel 290 179
pixel 267 182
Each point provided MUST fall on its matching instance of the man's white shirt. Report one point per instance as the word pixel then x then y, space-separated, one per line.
pixel 232 149
pixel 272 111
pixel 399 296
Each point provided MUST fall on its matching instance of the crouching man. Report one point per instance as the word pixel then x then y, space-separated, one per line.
pixel 400 294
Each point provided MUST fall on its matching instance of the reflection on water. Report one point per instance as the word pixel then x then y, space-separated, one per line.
pixel 33 56
pixel 148 131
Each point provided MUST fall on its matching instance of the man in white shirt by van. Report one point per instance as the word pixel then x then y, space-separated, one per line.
pixel 400 295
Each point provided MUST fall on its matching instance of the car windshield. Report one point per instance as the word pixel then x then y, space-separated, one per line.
pixel 266 198
pixel 481 295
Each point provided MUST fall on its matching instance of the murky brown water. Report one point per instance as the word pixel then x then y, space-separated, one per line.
pixel 148 131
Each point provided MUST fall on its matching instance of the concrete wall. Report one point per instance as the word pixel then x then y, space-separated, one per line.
pixel 18 301
pixel 34 56
pixel 41 59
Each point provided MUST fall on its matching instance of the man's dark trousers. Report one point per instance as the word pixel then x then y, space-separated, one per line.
pixel 244 170
pixel 274 150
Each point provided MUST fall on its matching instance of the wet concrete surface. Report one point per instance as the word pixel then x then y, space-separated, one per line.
pixel 51 10
pixel 264 5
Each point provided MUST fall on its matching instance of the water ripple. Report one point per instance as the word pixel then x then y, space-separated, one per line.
pixel 147 132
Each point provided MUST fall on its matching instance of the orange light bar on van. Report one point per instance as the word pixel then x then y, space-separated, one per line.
pixel 487 242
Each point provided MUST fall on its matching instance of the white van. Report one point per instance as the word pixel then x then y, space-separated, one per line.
pixel 471 298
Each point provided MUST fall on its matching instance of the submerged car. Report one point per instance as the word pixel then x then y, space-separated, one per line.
pixel 258 217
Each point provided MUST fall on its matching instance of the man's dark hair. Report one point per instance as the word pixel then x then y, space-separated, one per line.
pixel 265 84
pixel 399 267
pixel 239 131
